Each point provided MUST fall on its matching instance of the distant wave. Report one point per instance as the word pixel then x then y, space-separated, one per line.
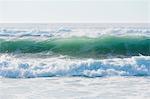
pixel 13 67
pixel 71 32
pixel 81 47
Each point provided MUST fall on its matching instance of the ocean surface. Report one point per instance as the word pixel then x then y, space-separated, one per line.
pixel 74 61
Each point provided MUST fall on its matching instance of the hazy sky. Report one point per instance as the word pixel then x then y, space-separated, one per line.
pixel 75 11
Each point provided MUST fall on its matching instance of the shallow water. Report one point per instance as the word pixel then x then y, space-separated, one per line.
pixel 75 88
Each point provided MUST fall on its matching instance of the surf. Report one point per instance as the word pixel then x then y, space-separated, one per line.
pixel 19 67
pixel 81 47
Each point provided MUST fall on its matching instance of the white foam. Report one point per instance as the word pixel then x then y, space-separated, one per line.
pixel 11 66
pixel 66 31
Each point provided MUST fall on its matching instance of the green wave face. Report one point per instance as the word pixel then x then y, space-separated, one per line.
pixel 81 47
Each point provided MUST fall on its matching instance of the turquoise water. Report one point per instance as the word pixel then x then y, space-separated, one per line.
pixel 100 47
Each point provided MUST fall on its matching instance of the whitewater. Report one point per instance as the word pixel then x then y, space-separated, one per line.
pixel 72 60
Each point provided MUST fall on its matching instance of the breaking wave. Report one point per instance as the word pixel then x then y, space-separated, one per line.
pixel 81 47
pixel 13 67
pixel 89 50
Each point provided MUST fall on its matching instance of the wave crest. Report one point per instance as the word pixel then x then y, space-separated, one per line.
pixel 103 47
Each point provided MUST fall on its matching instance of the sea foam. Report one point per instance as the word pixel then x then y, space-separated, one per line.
pixel 13 67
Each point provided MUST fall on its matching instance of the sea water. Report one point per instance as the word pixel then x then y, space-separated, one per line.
pixel 74 61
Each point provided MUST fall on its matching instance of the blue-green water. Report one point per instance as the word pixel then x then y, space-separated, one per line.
pixel 85 50
pixel 81 47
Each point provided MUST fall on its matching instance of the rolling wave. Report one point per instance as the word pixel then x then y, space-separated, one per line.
pixel 81 47
pixel 89 50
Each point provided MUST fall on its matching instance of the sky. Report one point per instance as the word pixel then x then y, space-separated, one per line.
pixel 78 11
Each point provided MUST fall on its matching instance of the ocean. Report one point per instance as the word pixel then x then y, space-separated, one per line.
pixel 74 61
